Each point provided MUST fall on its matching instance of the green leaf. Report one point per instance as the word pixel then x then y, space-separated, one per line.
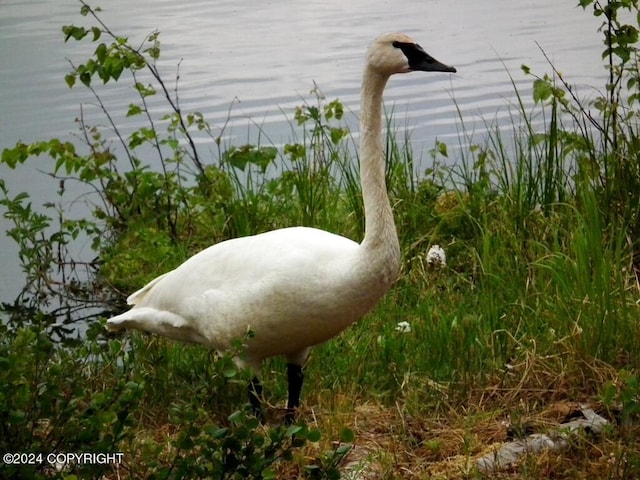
pixel 542 90
pixel 442 149
pixel 240 157
pixel 343 450
pixel 217 432
pixel 13 156
pixel 153 51
pixel 292 430
pixel 113 67
pixel 70 79
pixel 133 110
pixel 296 151
pixel 268 474
pixel 314 436
pixel 145 90
pixel 347 435
pixel 101 52
pixel 237 417
pixel 337 134
pixel 85 78
pixel 78 33
pixel 230 371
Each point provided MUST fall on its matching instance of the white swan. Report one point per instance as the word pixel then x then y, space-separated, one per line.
pixel 294 287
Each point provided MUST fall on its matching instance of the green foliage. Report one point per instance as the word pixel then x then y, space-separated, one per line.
pixel 327 466
pixel 260 157
pixel 622 398
pixel 45 405
pixel 93 397
pixel 604 147
pixel 244 449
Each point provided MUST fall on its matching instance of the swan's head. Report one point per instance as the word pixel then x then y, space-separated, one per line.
pixel 398 53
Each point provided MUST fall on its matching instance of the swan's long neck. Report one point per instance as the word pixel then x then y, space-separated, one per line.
pixel 380 244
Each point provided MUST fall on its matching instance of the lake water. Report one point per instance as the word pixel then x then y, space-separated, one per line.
pixel 263 57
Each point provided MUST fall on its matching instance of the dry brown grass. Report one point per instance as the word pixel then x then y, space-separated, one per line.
pixel 535 395
pixel 407 440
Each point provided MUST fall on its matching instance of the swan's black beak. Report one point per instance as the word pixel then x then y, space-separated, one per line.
pixel 421 60
pixel 429 64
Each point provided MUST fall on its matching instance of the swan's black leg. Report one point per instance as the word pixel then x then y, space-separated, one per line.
pixel 255 394
pixel 295 378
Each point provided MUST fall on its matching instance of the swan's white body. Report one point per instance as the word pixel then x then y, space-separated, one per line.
pixel 294 287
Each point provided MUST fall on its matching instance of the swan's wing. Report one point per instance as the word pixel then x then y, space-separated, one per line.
pixel 245 282
pixel 240 263
pixel 138 295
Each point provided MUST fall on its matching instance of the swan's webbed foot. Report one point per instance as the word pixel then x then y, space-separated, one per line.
pixel 255 397
pixel 295 377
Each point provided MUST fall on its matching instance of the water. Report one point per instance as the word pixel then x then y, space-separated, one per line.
pixel 263 57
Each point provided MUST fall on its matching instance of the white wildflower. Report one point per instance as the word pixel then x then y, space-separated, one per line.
pixel 403 327
pixel 436 256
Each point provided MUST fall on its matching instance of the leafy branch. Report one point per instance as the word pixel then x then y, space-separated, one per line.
pixel 110 61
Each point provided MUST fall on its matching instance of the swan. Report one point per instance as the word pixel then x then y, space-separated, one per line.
pixel 293 287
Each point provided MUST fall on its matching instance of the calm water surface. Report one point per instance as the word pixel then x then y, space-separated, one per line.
pixel 262 58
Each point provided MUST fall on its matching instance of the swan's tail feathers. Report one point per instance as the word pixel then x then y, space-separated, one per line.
pixel 145 318
pixel 166 324
pixel 138 295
